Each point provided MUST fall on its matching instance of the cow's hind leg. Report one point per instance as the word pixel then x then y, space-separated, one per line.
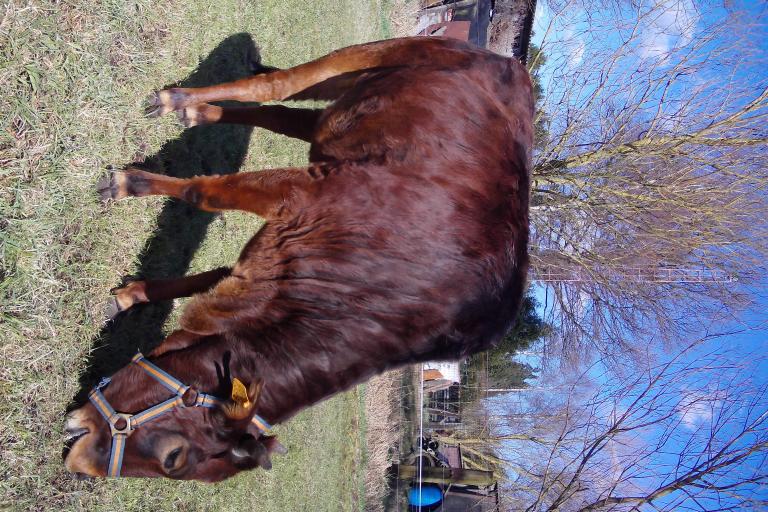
pixel 138 292
pixel 298 123
pixel 347 63
pixel 264 193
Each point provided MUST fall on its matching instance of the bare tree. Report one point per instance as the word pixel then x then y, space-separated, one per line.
pixel 688 434
pixel 654 157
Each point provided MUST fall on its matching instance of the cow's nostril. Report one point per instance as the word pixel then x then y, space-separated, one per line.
pixel 74 429
pixel 71 437
pixel 76 420
pixel 75 433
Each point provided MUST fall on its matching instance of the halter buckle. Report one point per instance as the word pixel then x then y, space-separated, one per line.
pixel 127 430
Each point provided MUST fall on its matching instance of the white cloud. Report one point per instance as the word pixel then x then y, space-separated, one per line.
pixel 672 24
pixel 575 46
pixel 563 30
pixel 697 408
pixel 693 415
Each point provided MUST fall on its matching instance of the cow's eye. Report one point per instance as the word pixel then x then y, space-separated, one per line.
pixel 171 458
pixel 172 453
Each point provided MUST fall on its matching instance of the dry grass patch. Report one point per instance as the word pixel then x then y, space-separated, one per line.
pixel 382 405
pixel 403 17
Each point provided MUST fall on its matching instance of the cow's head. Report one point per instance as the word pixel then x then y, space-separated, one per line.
pixel 188 442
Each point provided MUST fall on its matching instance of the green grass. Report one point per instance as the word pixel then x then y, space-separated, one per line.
pixel 74 75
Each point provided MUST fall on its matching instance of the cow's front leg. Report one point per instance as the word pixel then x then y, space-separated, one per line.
pixel 267 193
pixel 138 292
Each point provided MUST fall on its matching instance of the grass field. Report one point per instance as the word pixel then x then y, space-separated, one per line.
pixel 73 76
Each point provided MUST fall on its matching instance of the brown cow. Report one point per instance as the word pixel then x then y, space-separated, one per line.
pixel 403 240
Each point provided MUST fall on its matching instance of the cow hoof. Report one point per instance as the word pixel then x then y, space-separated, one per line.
pixel 125 297
pixel 109 187
pixel 112 309
pixel 129 183
pixel 196 115
pixel 162 102
pixel 190 116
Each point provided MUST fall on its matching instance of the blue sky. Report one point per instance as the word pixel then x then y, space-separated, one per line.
pixel 739 353
pixel 646 42
pixel 729 364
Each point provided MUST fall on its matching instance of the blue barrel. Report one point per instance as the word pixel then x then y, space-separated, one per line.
pixel 430 495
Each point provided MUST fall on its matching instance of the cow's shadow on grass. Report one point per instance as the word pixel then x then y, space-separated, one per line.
pixel 203 150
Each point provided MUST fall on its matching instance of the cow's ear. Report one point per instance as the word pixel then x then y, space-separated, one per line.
pixel 242 402
pixel 247 452
pixel 273 445
pixel 251 451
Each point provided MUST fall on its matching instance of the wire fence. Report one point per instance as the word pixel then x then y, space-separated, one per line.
pixel 444 423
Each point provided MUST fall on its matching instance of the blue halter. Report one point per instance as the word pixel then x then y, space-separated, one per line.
pixel 122 425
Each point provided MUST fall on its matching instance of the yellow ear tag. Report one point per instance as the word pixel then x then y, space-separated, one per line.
pixel 240 394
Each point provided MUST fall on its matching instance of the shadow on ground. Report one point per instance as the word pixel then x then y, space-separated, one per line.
pixel 203 150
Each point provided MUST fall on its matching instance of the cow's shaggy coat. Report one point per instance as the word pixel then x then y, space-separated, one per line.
pixel 403 240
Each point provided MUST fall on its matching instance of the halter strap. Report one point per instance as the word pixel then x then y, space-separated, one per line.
pixel 171 383
pixel 118 436
pixel 122 425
